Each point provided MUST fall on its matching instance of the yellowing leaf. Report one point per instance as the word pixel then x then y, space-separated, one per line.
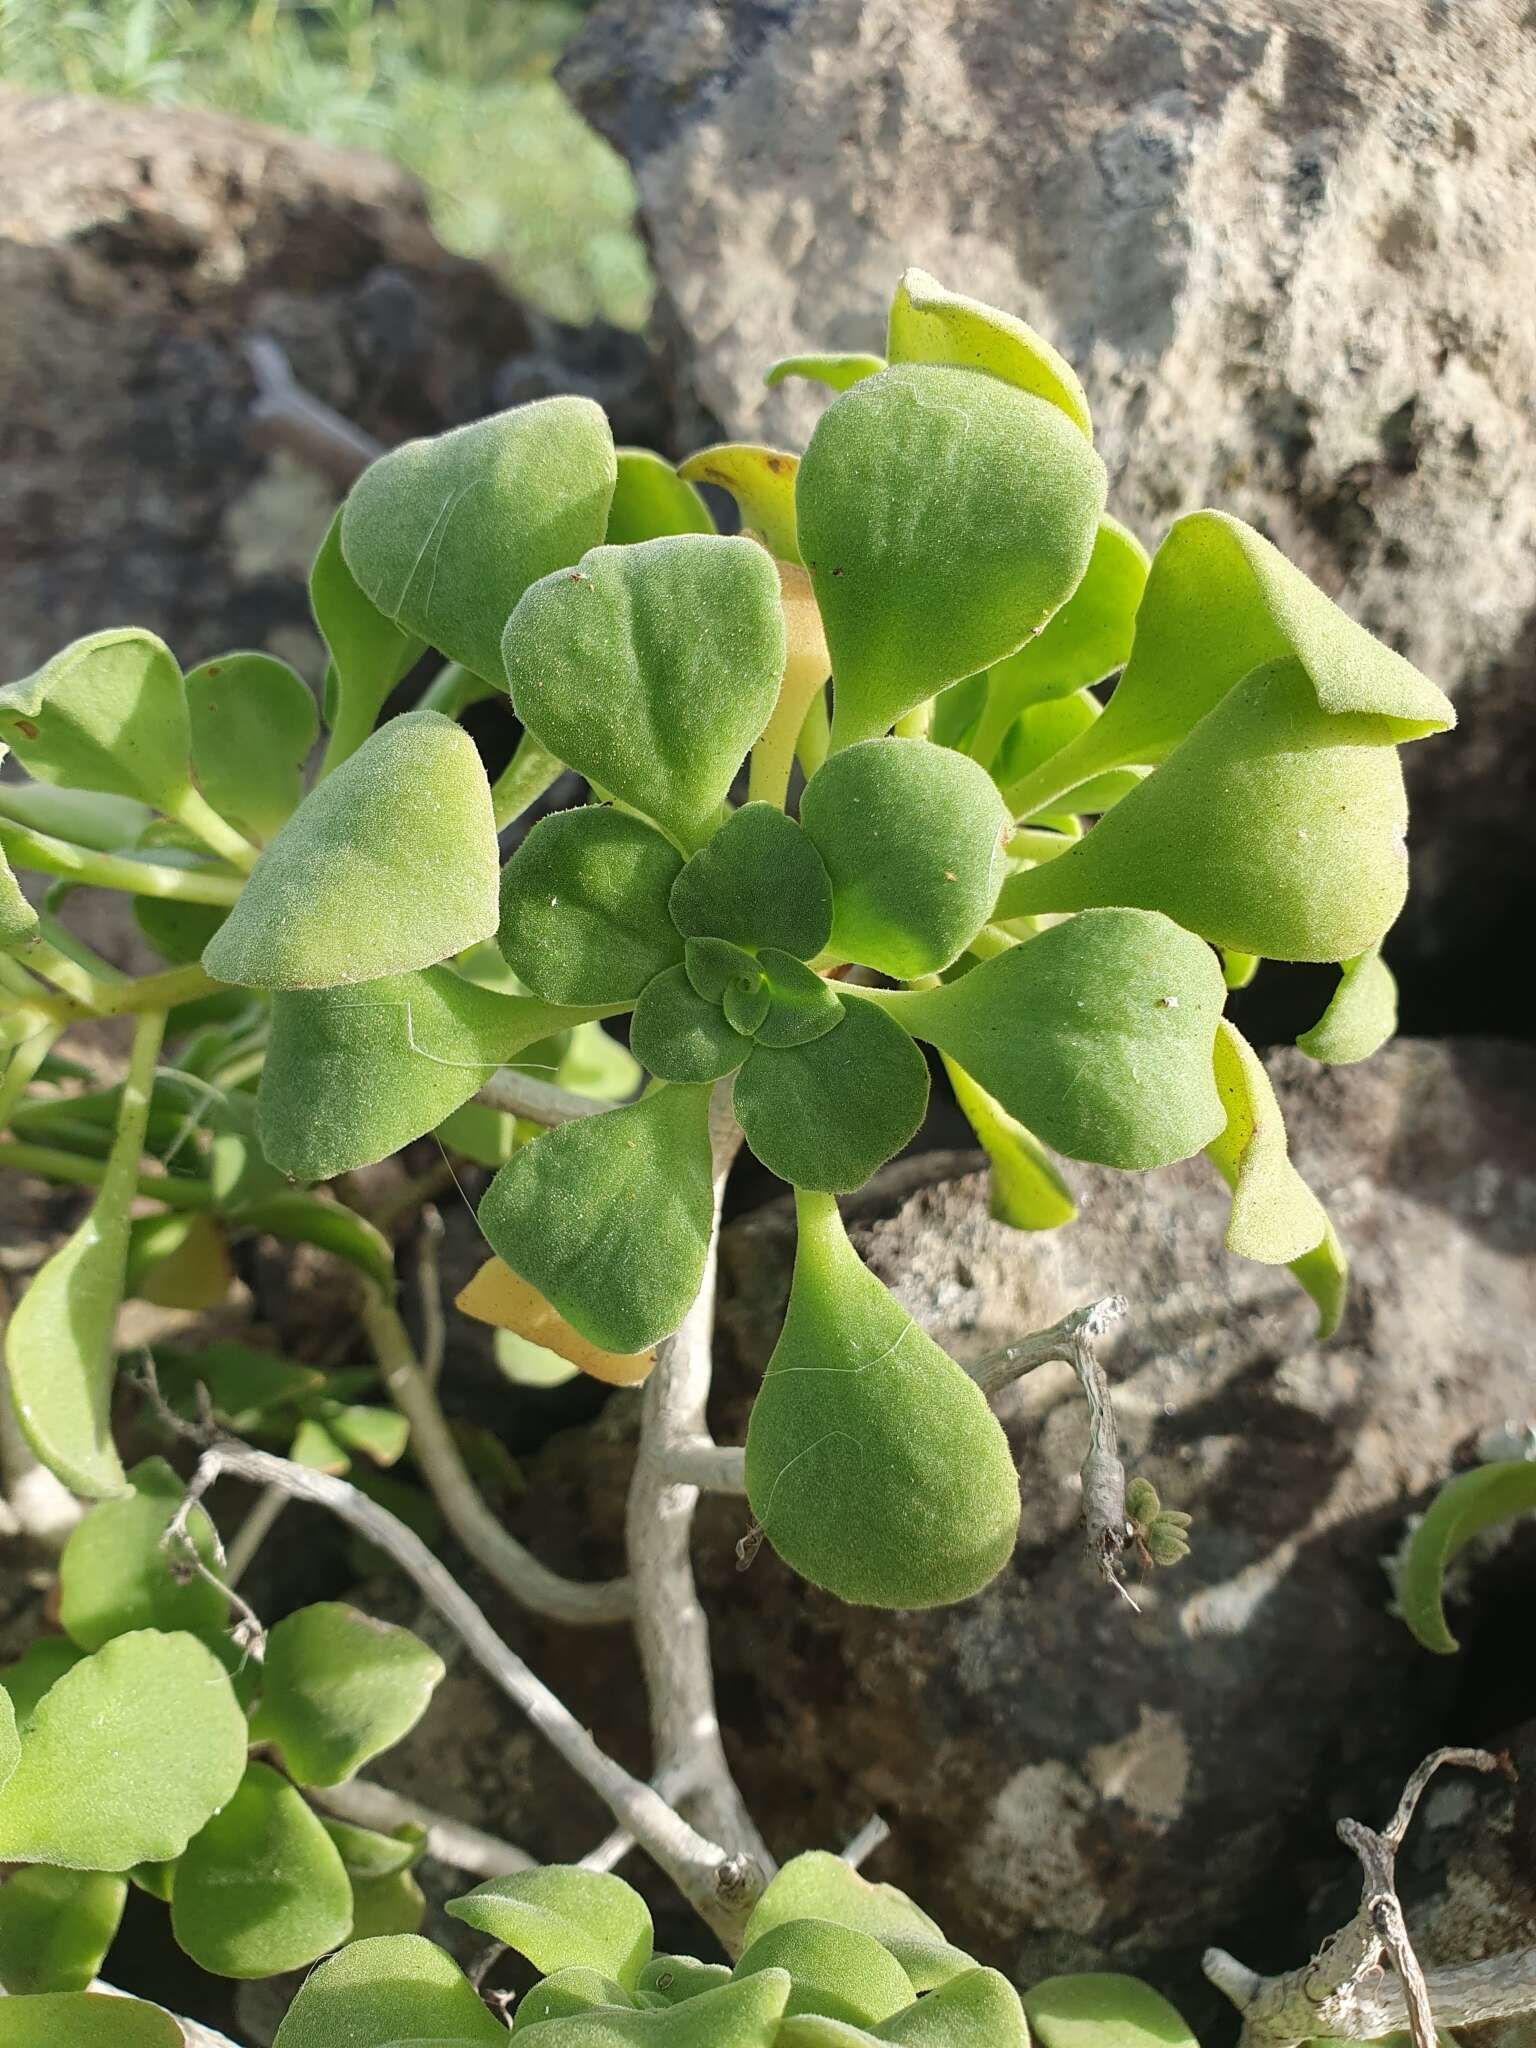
pixel 498 1296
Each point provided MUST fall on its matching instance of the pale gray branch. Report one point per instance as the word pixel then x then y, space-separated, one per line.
pixel 874 1834
pixel 711 1467
pixel 285 415
pixel 1346 1993
pixel 540 1102
pixel 1072 1341
pixel 450 1841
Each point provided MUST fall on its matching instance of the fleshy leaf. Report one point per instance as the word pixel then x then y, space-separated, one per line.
pixel 366 1853
pixel 56 1927
pixel 10 1741
pixel 1238 969
pixel 253 724
pixel 1324 1273
pixel 1103 2011
pixel 388 1992
pixel 127 1756
pixel 18 919
pixel 108 713
pixel 565 1992
pixel 827 1113
pixel 678 1036
pixel 445 535
pixel 819 1886
pixel 715 965
pixel 310 1219
pixel 387 1905
pixel 609 1217
pixel 762 481
pixel 39 1667
pixel 1221 601
pixel 676 1979
pixel 758 882
pixel 1097 1035
pixel 388 865
pixel 912 836
pixel 800 1005
pixel 352 1074
pixel 747 2014
pixel 1087 640
pixel 584 907
pixel 178 1261
pixel 369 653
pixel 943 516
pixel 874 1464
pixel 114 1575
pixel 747 1001
pixel 503 1298
pixel 928 1960
pixel 1276 828
pixel 563 1917
pixel 650 499
pixel 1275 1215
pixel 1361 1016
pixel 1039 732
pixel 86 2019
pixel 836 1970
pixel 262 1888
pixel 978 2010
pixel 1027 1191
pixel 1463 1508
pixel 652 669
pixel 839 372
pixel 931 325
pixel 338 1687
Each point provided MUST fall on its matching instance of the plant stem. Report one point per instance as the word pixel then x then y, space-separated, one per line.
pixel 44 1162
pixel 806 668
pixel 252 1533
pixel 453 689
pixel 917 722
pixel 47 856
pixel 24 1063
pixel 116 998
pixel 452 1841
pixel 541 1102
pixel 199 816
pixel 531 770
pixel 509 1564
pixel 815 739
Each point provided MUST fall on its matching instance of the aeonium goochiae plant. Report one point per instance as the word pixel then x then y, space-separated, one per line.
pixel 853 793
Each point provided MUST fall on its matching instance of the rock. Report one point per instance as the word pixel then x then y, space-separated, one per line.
pixel 139 251
pixel 1289 249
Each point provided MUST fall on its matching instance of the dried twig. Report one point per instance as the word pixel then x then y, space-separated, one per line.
pixel 285 415
pixel 1345 1993
pixel 1072 1341
pixel 451 1841
pixel 874 1834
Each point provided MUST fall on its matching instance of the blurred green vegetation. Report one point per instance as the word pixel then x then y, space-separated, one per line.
pixel 460 91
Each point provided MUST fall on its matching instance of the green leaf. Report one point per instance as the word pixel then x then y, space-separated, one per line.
pixel 55 1928
pixel 567 1992
pixel 595 1064
pixel 562 1917
pixel 387 1905
pixel 366 1853
pixel 18 919
pixel 825 1114
pixel 609 1217
pixel 652 669
pixel 1039 732
pixel 39 1667
pixel 489 1137
pixel 943 516
pixel 837 371
pixel 128 1755
pixel 1462 1509
pixel 83 817
pixel 10 1742
pixel 310 1219
pixel 748 1000
pixel 1275 1215
pixel 378 1434
pixel 715 966
pixel 584 907
pixel 819 1886
pixel 1361 1017
pixel 1087 640
pixel 928 1962
pixel 352 1074
pixel 650 499
pixel 874 1464
pixel 762 481
pixel 1027 1191
pixel 800 1005
pixel 678 1036
pixel 676 1979
pixel 369 653
pixel 445 535
pixel 108 713
pixel 1324 1273
pixel 1097 1035
pixel 1220 602
pixel 978 2010
pixel 338 1687
pixel 114 1576
pixel 261 1888
pixel 931 325
pixel 758 882
pixel 912 836
pixel 389 1992
pixel 253 723
pixel 178 1261
pixel 389 864
pixel 738 2015
pixel 1238 969
pixel 834 1969
pixel 1276 828
pixel 1103 2011
pixel 86 2019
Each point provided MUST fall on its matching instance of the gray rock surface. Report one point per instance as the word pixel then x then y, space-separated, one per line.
pixel 139 250
pixel 1289 247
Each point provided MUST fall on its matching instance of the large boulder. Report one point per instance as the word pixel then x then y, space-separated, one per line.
pixel 140 252
pixel 1288 246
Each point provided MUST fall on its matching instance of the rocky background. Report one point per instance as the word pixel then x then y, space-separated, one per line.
pixel 1290 248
